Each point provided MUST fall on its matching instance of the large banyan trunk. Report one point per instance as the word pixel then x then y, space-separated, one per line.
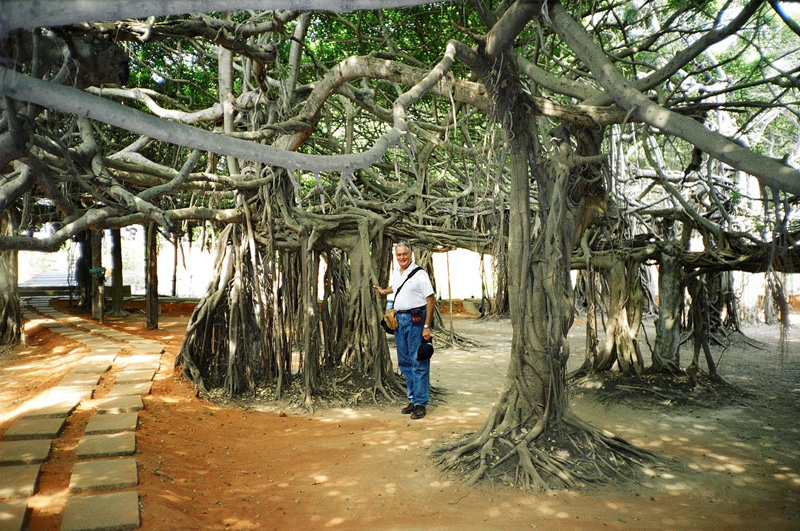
pixel 151 277
pixel 621 344
pixel 530 424
pixel 361 346
pixel 310 321
pixel 699 317
pixel 666 355
pixel 335 305
pixel 236 336
pixel 588 293
pixel 620 347
pixel 82 266
pixel 10 312
pixel 500 269
pixel 263 304
pixel 117 294
pixel 98 276
pixel 724 317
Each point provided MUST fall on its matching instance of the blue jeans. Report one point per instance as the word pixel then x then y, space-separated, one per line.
pixel 408 338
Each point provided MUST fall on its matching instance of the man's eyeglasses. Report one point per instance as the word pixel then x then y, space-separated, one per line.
pixel 401 254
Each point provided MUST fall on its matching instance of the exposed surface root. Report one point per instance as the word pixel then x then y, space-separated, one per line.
pixel 346 388
pixel 448 338
pixel 573 455
pixel 693 388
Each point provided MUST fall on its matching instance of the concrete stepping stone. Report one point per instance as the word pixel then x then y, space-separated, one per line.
pixel 106 445
pixel 18 481
pixel 24 452
pixel 135 360
pixel 80 378
pixel 119 404
pixel 92 366
pixel 70 392
pixel 98 343
pixel 49 406
pixel 144 343
pixel 145 347
pixel 150 351
pixel 101 357
pixel 13 515
pixel 119 510
pixel 104 474
pixel 112 352
pixel 144 366
pixel 94 330
pixel 141 388
pixel 63 330
pixel 112 423
pixel 94 339
pixel 25 429
pixel 130 376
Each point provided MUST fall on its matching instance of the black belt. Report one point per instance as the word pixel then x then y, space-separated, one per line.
pixel 409 311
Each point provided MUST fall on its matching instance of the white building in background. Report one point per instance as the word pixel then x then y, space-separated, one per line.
pixel 460 274
pixel 194 270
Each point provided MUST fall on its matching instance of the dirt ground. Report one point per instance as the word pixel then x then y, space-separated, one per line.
pixel 205 466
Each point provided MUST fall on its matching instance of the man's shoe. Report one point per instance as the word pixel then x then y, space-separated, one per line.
pixel 408 409
pixel 419 412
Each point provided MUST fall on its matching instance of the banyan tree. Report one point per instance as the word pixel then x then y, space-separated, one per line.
pixel 310 136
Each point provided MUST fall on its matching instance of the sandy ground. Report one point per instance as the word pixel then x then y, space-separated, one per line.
pixel 203 466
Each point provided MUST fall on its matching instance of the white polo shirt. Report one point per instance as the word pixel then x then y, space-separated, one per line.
pixel 415 292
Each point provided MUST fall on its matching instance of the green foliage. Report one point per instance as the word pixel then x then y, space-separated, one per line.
pixel 743 85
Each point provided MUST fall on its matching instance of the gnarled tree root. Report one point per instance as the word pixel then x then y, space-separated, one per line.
pixel 554 454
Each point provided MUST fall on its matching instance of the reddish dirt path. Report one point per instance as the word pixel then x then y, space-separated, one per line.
pixel 202 466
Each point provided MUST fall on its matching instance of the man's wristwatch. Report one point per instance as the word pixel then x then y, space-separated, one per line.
pixel 425 326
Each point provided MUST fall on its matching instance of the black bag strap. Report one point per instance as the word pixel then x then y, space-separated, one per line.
pixel 396 293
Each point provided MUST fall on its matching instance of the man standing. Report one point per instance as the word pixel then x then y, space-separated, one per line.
pixel 413 303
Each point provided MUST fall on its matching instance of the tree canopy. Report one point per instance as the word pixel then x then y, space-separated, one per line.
pixel 593 135
pixel 707 78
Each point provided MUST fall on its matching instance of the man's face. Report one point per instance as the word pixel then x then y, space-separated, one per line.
pixel 403 256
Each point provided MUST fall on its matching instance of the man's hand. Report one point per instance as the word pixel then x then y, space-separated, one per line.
pixel 430 304
pixel 381 291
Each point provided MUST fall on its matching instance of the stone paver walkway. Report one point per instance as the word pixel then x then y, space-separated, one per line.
pixel 104 450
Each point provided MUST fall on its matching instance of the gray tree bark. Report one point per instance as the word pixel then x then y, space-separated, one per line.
pixel 152 306
pixel 117 294
pixel 666 355
pixel 10 311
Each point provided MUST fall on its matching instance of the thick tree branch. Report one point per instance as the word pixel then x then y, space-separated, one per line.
pixel 145 96
pixel 698 47
pixel 108 218
pixel 73 101
pixel 13 188
pixel 77 102
pixel 502 35
pixel 789 21
pixel 769 171
pixel 226 34
pixel 25 14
